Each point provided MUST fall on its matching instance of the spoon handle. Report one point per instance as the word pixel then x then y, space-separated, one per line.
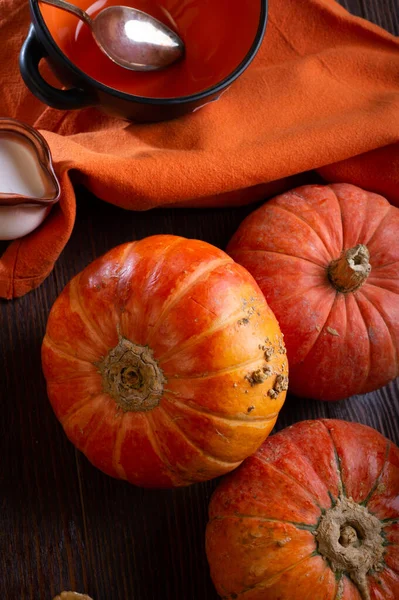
pixel 71 8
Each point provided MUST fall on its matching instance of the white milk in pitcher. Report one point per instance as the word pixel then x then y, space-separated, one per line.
pixel 21 174
pixel 20 170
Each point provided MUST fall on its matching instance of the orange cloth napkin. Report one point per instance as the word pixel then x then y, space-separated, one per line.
pixel 323 93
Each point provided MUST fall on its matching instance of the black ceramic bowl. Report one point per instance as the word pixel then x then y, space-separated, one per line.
pixel 222 37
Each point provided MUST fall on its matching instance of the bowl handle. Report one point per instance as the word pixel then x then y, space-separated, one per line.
pixel 30 56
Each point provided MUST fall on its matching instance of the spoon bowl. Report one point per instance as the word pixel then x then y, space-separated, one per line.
pixel 136 41
pixel 131 38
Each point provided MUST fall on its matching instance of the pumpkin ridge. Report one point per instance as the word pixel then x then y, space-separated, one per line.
pixel 341 490
pixel 66 420
pixel 250 251
pixel 176 478
pixel 368 370
pixel 117 451
pixel 315 208
pixel 394 571
pixel 302 293
pixel 379 286
pixel 394 262
pixel 123 291
pixel 388 570
pixel 295 193
pixel 378 478
pixel 267 583
pixel 92 433
pixel 178 294
pixel 284 208
pixel 290 477
pixel 382 315
pixel 203 411
pixel 321 326
pixel 72 377
pixel 76 406
pixel 75 301
pixel 261 505
pixel 341 216
pixel 218 372
pixel 208 456
pixel 194 339
pixel 341 201
pixel 300 526
pixel 306 459
pixel 129 247
pixel 370 240
pixel 57 349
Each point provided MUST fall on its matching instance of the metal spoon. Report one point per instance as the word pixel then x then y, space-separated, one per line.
pixel 129 37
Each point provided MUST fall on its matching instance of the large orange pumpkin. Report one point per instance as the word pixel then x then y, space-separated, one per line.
pixel 327 260
pixel 164 363
pixel 313 515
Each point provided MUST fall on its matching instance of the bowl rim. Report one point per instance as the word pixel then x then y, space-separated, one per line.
pixel 152 100
pixel 43 153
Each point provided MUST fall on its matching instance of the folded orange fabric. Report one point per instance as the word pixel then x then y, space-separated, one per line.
pixel 323 93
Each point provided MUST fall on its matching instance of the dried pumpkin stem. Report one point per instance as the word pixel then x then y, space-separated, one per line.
pixel 132 376
pixel 350 270
pixel 350 538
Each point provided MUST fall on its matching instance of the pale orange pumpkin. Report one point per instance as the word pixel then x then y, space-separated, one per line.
pixel 313 515
pixel 327 260
pixel 164 363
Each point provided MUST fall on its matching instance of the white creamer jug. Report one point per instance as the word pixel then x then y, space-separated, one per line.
pixel 28 184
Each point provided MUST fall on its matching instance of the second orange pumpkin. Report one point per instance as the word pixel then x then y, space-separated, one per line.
pixel 164 363
pixel 327 260
pixel 313 515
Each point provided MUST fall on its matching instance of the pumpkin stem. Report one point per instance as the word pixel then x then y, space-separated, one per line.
pixel 350 538
pixel 132 376
pixel 348 272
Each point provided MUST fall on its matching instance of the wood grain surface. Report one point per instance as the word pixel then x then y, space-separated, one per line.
pixel 65 525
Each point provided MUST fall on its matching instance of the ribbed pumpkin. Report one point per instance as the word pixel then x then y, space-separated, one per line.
pixel 327 260
pixel 164 363
pixel 313 515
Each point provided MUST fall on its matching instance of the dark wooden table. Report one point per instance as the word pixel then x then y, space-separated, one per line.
pixel 65 525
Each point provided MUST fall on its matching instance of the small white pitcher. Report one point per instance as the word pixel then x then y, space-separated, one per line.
pixel 28 185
